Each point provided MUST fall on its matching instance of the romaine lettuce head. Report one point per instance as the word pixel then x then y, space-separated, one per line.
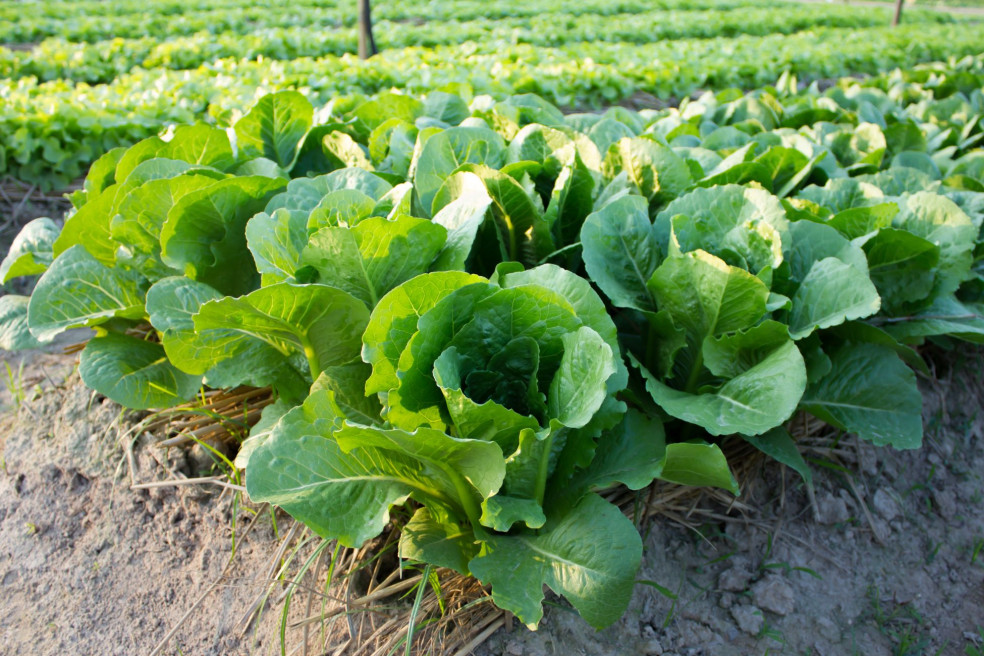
pixel 496 397
pixel 537 347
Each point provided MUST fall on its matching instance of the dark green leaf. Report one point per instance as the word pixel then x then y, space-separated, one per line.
pixel 590 555
pixel 870 392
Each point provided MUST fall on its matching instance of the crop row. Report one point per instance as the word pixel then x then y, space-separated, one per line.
pixel 497 310
pixel 102 62
pixel 84 22
pixel 50 132
pixel 15 9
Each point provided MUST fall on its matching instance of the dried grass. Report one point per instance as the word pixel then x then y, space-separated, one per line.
pixel 223 416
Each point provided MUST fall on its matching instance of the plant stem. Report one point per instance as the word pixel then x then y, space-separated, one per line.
pixel 313 362
pixel 472 511
pixel 694 376
pixel 541 475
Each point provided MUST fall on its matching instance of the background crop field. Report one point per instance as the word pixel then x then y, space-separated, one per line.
pixel 80 78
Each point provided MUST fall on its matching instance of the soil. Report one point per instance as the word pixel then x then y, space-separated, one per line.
pixel 89 566
pixel 888 560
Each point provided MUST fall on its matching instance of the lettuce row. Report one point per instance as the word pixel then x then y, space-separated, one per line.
pixel 52 131
pixel 497 311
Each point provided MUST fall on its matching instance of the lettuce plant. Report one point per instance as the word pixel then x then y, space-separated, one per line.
pixel 496 409
pixel 477 317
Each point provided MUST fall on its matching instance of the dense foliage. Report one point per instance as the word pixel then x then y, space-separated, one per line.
pixel 487 311
pixel 104 61
pixel 106 79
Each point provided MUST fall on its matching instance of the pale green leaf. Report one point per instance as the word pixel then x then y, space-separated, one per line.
pixel 15 335
pixel 78 290
pixel 621 252
pixel 698 464
pixel 205 232
pixel 322 323
pixel 31 252
pixel 274 128
pixel 394 322
pixel 134 373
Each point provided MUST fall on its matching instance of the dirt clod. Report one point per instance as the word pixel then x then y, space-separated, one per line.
pixel 735 578
pixel 774 594
pixel 885 505
pixel 749 619
pixel 833 510
pixel 946 502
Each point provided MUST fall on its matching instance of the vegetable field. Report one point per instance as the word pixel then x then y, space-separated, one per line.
pixel 489 290
pixel 94 82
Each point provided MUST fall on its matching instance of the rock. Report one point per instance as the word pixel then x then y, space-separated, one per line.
pixel 734 579
pixel 10 577
pixel 200 460
pixel 868 460
pixel 828 629
pixel 833 510
pixel 885 505
pixel 966 491
pixel 694 633
pixel 881 528
pixel 651 645
pixel 946 501
pixel 774 594
pixel 749 619
pixel 514 648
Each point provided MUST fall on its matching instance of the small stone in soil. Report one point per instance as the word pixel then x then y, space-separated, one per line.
pixel 833 510
pixel 652 647
pixel 749 619
pixel 885 505
pixel 946 501
pixel 200 459
pixel 774 594
pixel 734 579
pixel 828 629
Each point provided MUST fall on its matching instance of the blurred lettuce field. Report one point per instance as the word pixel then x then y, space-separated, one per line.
pixel 79 79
